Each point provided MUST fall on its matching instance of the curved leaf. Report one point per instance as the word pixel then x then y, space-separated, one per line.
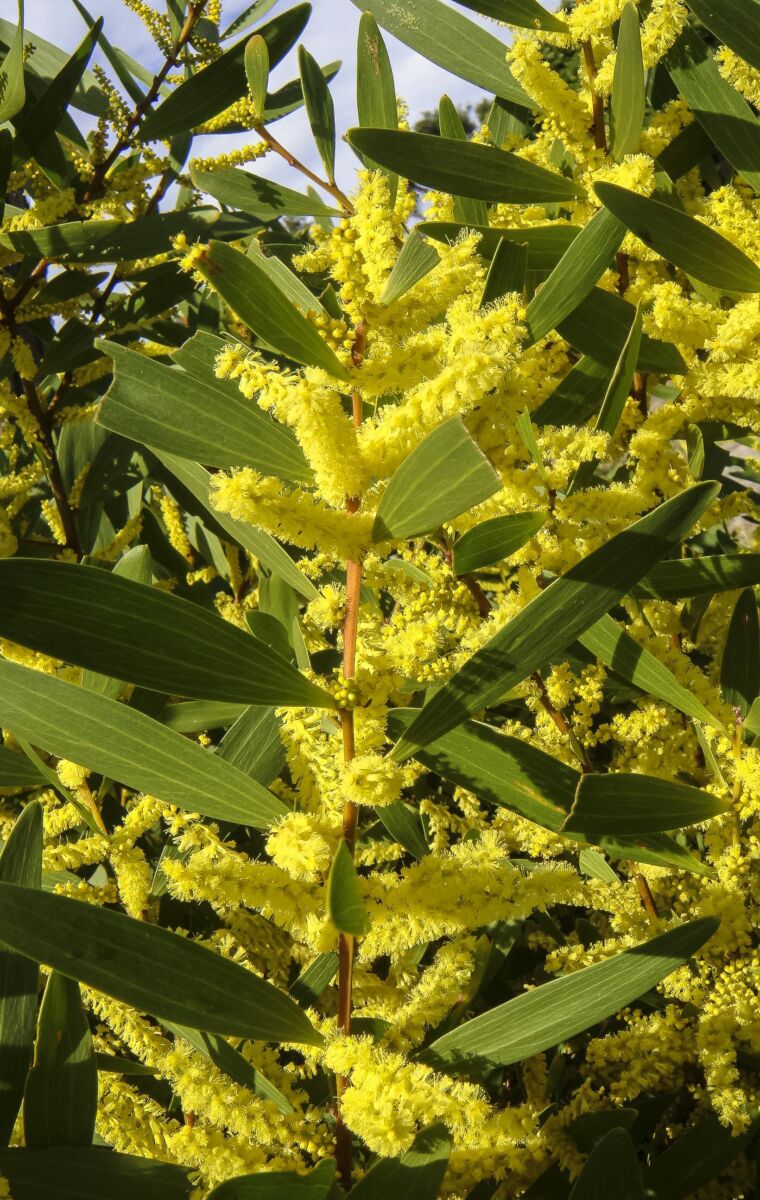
pixel 493 540
pixel 279 1185
pixel 61 1097
pixel 611 1172
pixel 417 1174
pixel 263 198
pixel 628 100
pixel 637 804
pixel 344 900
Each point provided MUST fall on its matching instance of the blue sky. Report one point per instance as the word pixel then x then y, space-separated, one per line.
pixel 331 34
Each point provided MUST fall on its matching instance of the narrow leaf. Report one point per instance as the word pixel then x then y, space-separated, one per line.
pixel 682 240
pixel 444 476
pixel 599 327
pixel 319 109
pixel 375 88
pixel 507 271
pixel 91 1173
pixel 415 261
pixel 256 60
pixel 149 968
pixel 41 120
pixel 232 1063
pixel 546 243
pixel 740 665
pixel 494 540
pixel 637 804
pixel 557 1011
pixel 262 198
pixel 344 901
pixel 279 1185
pixel 695 1159
pixel 61 1097
pixel 252 744
pixel 12 90
pixel 463 168
pixel 680 579
pixel 450 125
pixel 418 1173
pixel 736 23
pixel 611 1171
pixel 525 14
pixel 405 827
pixel 557 616
pixel 628 87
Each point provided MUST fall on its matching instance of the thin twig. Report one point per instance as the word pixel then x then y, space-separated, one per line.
pixel 331 188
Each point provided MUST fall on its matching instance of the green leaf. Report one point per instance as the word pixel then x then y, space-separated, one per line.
pixel 124 744
pixel 599 327
pixel 258 543
pixel 417 1174
pixel 253 294
pixel 415 261
pixel 633 805
pixel 611 1171
pixel 12 90
pixel 506 272
pixel 451 127
pixel 682 240
pixel 313 980
pixel 613 646
pixel 279 1185
pixel 319 109
pixel 463 168
pixel 575 274
pixel 261 198
pixel 685 151
pixel 197 716
pixel 94 1173
pixel 344 900
pixel 546 243
pixel 40 121
pixel 443 36
pixel 375 88
pixel 136 565
pixel 695 1159
pixel 233 1063
pixel 61 1097
pixel 680 579
pixel 614 398
pixel 20 862
pixel 16 771
pixel 184 415
pixel 557 1011
pixel 445 475
pixel 253 745
pixel 734 22
pixel 220 84
pixel 527 435
pixel 576 396
pixel 723 113
pixel 111 241
pixel 110 624
pixel 491 541
pixel 526 14
pixel 405 827
pixel 628 100
pixel 48 60
pixel 740 665
pixel 256 59
pixel 550 622
pixel 149 968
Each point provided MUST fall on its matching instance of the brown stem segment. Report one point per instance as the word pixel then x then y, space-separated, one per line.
pixel 347 943
pixel 331 188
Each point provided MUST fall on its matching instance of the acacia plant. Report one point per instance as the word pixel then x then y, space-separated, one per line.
pixel 380 663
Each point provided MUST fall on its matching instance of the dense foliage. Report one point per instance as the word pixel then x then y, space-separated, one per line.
pixel 380 660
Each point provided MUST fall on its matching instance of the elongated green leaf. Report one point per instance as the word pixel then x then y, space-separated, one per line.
pixel 576 396
pixel 253 745
pixel 637 804
pixel 527 435
pixel 623 655
pixel 12 90
pixel 313 980
pixel 258 543
pixel 575 274
pixel 445 37
pixel 444 476
pixel 344 900
pixel 740 665
pixel 167 408
pixel 628 87
pixel 405 827
pixel 136 565
pixel 61 1096
pixel 694 1159
pixel 196 716
pixel 375 88
pixel 252 293
pixel 233 1063
pixel 16 771
pixel 735 22
pixel 526 14
pixel 149 968
pixel 416 259
pixel 43 118
pixel 506 272
pixel 679 238
pixel 546 243
pixel 614 398
pixel 20 862
pixel 611 1172
pixel 451 127
pixel 463 168
pixel 92 1173
pixel 418 1173
pixel 599 327
pixel 128 631
pixel 111 241
pixel 685 151
pixel 279 1185
pixel 723 113
pixel 259 197
pixel 557 616
pixel 494 540
pixel 319 109
pixel 256 59
pixel 557 1011
pixel 220 84
pixel 684 578
pixel 126 745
